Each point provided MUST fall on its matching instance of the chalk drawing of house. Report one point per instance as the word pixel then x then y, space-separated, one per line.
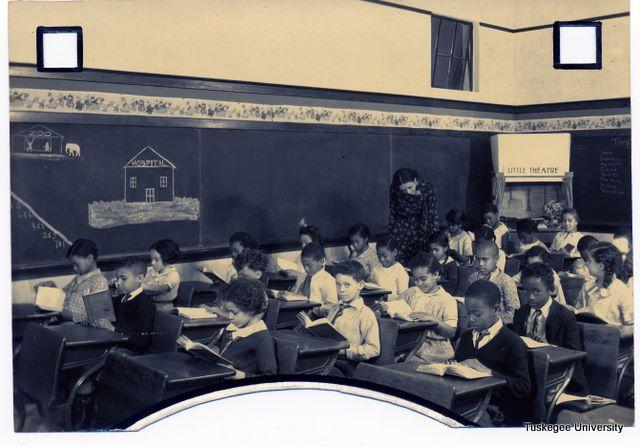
pixel 40 140
pixel 148 177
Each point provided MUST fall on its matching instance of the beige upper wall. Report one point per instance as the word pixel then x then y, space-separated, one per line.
pixel 341 44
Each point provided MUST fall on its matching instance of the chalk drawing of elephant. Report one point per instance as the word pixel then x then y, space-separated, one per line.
pixel 72 150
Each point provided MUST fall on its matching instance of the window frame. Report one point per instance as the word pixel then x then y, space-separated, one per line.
pixel 164 181
pixel 469 59
pixel 133 182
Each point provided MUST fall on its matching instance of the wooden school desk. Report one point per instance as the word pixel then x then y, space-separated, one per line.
pixel 316 355
pixel 552 369
pixel 280 281
pixel 129 384
pixel 467 398
pixel 410 336
pixel 24 313
pixel 204 292
pixel 85 345
pixel 288 311
pixel 203 329
pixel 370 295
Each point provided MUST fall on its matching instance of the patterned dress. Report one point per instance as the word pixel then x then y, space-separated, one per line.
pixel 412 219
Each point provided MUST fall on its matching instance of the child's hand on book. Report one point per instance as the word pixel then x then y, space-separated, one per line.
pixel 475 364
pixel 421 316
pixel 105 324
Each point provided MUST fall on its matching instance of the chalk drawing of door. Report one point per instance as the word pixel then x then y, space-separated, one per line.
pixel 149 195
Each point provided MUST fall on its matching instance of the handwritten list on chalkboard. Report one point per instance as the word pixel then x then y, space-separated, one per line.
pixel 602 179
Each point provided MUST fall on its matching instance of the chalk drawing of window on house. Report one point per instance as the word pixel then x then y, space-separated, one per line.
pixel 40 141
pixel 144 201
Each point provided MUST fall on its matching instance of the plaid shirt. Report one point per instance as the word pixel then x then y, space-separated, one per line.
pixel 81 285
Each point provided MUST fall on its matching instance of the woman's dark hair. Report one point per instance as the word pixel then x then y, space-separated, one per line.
pixel 484 232
pixel 256 260
pixel 608 255
pixel 249 295
pixel 440 238
pixel 360 229
pixel 526 226
pixel 586 243
pixel 169 251
pixel 404 175
pixel 387 242
pixel 456 217
pixel 312 231
pixel 424 259
pixel 537 252
pixel 485 291
pixel 83 248
pixel 539 270
pixel 243 239
pixel 314 251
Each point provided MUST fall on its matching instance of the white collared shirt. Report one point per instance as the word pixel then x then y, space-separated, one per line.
pixel 462 243
pixel 493 331
pixel 247 330
pixel 500 231
pixel 322 289
pixel 358 324
pixel 563 238
pixel 613 304
pixel 394 278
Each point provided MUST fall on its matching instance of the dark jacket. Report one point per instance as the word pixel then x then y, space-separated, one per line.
pixel 135 319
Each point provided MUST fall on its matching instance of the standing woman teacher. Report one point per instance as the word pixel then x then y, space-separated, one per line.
pixel 413 214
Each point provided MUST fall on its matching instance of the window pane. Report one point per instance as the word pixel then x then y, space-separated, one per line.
pixel 440 72
pixel 445 37
pixel 435 29
pixel 456 74
pixel 460 43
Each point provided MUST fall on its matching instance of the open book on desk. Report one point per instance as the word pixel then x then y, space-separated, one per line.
pixel 99 306
pixel 320 327
pixel 50 298
pixel 203 352
pixel 284 265
pixel 399 309
pixel 194 313
pixel 455 369
pixel 288 296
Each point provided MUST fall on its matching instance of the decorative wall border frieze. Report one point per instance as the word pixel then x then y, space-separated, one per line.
pixel 100 103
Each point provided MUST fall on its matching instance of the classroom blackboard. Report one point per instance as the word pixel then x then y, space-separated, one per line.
pixel 601 167
pixel 73 180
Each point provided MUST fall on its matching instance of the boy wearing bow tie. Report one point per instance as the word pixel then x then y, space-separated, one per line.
pixel 133 308
pixel 490 345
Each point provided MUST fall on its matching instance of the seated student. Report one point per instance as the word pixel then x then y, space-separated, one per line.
pixel 449 260
pixel 540 255
pixel 134 309
pixel 459 240
pixel 623 241
pixel 163 280
pixel 246 342
pixel 307 234
pixel 353 319
pixel 486 260
pixel 430 302
pixel 317 284
pixel 484 233
pixel 489 344
pixel 606 297
pixel 83 254
pixel 566 242
pixel 544 320
pixel 359 249
pixel 526 240
pixel 238 242
pixel 391 275
pixel 580 268
pixel 252 264
pixel 491 218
